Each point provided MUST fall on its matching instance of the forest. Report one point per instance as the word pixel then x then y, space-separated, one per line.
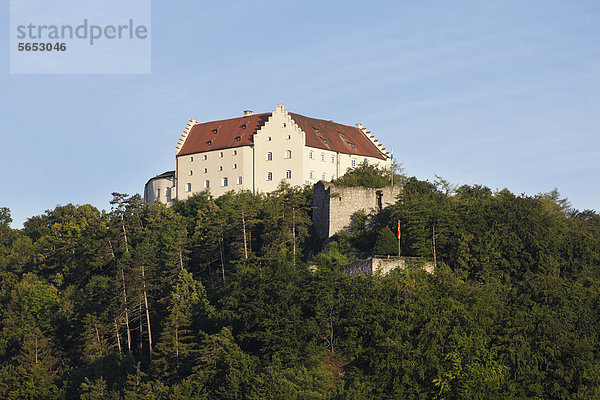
pixel 214 299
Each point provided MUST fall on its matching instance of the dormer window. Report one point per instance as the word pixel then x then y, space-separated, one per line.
pixel 244 126
pixel 341 134
pixel 238 138
pixel 209 143
pixel 316 130
pixel 215 131
pixel 324 140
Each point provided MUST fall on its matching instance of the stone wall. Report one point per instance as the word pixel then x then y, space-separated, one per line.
pixel 335 205
pixel 381 266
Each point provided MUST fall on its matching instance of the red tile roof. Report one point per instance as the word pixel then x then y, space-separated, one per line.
pixel 223 134
pixel 320 134
pixel 332 136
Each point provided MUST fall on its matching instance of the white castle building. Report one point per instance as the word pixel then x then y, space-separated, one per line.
pixel 257 151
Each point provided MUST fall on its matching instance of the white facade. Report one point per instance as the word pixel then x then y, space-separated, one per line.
pixel 277 151
pixel 161 188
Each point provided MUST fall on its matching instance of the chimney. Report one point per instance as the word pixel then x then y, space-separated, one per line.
pixel 247 113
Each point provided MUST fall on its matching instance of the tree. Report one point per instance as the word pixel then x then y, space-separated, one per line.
pixel 386 243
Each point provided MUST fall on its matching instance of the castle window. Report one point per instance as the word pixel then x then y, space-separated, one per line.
pixel 209 142
pixel 205 170
pixel 288 154
pixel 235 152
pixel 239 180
pixel 203 157
pixel 158 193
pixel 269 139
pixel 215 131
pixel 234 166
pixel 354 163
pixel 191 158
pixel 191 173
pixel 225 182
pixel 207 184
pixel 332 159
pixel 283 125
pixel 311 175
pixel 221 155
pixel 220 168
pixel 289 137
pixel 244 126
pixel 269 156
pixel 322 156
pixel 188 187
pixel 288 174
pixel 269 176
pixel 238 138
pixel 310 154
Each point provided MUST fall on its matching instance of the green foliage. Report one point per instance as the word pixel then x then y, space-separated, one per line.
pixel 232 311
pixel 365 175
pixel 386 243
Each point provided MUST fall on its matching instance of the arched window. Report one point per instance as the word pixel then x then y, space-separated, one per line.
pixel 269 156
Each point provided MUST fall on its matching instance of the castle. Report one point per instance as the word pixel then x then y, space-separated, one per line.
pixel 257 151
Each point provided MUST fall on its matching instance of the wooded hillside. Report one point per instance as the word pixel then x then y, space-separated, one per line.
pixel 212 299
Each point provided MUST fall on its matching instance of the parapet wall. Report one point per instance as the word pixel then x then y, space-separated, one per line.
pixel 382 266
pixel 335 205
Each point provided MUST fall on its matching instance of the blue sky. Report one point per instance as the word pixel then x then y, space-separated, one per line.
pixel 503 94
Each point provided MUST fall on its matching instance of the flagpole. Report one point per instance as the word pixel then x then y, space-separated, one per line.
pixel 398 238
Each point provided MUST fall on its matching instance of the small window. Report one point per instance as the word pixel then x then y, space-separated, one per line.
pixel 169 194
pixel 269 176
pixel 158 193
pixel 220 168
pixel 288 154
pixel 192 158
pixel 207 184
pixel 269 156
pixel 221 154
pixel 225 181
pixel 205 170
pixel 204 157
pixel 235 152
pixel 288 174
pixel 188 187
pixel 323 177
pixel 238 138
pixel 191 173
pixel 322 156
pixel 354 163
pixel 289 136
pixel 234 166
pixel 239 180
pixel 332 159
pixel 311 175
pixel 310 154
pixel 283 125
pixel 269 139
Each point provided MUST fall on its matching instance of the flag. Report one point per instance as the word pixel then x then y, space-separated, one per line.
pixel 398 230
